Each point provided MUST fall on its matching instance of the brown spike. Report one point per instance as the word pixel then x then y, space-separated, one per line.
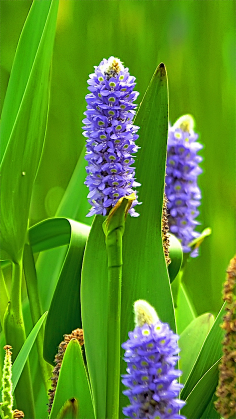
pixel 226 390
pixel 165 231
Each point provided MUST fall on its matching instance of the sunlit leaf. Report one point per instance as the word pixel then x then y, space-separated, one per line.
pixel 23 124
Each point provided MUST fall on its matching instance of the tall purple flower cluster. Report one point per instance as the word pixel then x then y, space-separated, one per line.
pixel 151 357
pixel 110 136
pixel 182 190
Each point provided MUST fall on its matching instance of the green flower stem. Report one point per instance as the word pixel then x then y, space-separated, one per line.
pixel 114 227
pixel 4 297
pixel 15 336
pixel 36 310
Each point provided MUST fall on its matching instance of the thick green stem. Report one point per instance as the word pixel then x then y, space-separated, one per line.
pixel 15 336
pixel 114 251
pixel 114 227
pixel 36 310
pixel 4 297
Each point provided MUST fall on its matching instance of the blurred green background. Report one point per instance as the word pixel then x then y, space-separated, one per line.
pixel 196 41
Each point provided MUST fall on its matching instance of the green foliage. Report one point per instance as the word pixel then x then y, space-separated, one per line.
pixel 162 31
pixel 191 341
pixel 200 396
pixel 23 125
pixel 24 352
pixel 73 384
pixel 64 312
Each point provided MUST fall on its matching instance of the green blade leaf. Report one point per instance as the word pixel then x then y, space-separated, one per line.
pixel 73 384
pixel 23 124
pixel 144 270
pixel 209 355
pixel 64 312
pixel 199 398
pixel 94 310
pixel 24 352
pixel 191 341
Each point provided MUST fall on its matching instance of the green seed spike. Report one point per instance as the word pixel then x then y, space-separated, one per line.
pixel 7 398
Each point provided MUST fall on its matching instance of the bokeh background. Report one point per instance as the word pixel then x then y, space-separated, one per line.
pixel 196 41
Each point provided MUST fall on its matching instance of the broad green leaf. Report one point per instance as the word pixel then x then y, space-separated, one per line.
pixel 64 312
pixel 191 341
pixel 201 395
pixel 94 309
pixel 73 384
pixel 144 268
pixel 23 125
pixel 210 353
pixel 145 274
pixel 176 256
pixel 24 352
pixel 185 312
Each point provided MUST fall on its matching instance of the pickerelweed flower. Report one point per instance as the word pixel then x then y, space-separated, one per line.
pixel 182 190
pixel 111 136
pixel 151 356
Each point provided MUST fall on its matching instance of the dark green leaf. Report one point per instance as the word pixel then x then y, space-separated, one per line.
pixel 199 398
pixel 64 313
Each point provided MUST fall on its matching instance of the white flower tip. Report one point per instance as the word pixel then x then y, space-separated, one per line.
pixel 186 123
pixel 144 313
pixel 112 65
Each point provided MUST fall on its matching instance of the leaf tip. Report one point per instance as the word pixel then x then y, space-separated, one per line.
pixel 161 69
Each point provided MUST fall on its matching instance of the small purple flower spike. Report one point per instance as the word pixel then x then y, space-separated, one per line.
pixel 182 190
pixel 151 356
pixel 110 136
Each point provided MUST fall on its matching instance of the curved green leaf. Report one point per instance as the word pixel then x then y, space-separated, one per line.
pixel 73 384
pixel 64 312
pixel 176 256
pixel 50 233
pixel 201 395
pixel 191 341
pixel 23 125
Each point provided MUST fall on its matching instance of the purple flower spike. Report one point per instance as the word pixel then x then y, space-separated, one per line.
pixel 182 191
pixel 110 136
pixel 151 356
